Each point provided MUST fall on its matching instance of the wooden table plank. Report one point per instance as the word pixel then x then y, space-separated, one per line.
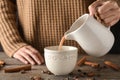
pixel 105 74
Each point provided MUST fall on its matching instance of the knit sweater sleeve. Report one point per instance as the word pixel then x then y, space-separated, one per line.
pixel 9 35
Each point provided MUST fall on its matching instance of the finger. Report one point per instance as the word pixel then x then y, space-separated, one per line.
pixel 109 13
pixel 113 22
pixel 93 7
pixel 28 58
pixel 108 5
pixel 109 19
pixel 35 55
pixel 38 58
pixel 41 57
pixel 22 59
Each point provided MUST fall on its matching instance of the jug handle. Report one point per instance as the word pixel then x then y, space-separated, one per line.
pixel 96 16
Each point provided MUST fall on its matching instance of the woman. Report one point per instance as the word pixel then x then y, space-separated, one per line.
pixel 27 26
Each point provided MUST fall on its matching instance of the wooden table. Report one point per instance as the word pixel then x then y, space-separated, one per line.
pixel 104 74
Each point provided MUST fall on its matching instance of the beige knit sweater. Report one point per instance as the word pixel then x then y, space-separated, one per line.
pixel 39 23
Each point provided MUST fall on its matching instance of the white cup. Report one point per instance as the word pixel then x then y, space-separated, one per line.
pixel 60 62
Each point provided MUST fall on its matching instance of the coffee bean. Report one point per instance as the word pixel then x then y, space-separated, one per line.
pixel 36 78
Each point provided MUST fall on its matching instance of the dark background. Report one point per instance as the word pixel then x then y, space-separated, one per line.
pixel 1 48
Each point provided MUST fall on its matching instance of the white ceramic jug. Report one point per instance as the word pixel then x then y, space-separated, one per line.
pixel 95 39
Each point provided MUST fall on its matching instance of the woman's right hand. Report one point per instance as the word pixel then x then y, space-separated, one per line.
pixel 108 10
pixel 29 55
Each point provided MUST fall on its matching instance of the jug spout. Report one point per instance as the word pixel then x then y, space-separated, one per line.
pixel 68 35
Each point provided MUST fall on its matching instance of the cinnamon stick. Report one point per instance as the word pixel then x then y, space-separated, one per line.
pixel 92 64
pixel 17 69
pixel 112 65
pixel 81 61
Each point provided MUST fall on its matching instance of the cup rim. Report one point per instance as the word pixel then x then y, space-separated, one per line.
pixel 71 48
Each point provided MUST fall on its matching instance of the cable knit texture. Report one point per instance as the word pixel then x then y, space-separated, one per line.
pixel 39 23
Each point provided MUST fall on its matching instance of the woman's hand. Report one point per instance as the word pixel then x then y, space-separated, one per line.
pixel 108 11
pixel 28 54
